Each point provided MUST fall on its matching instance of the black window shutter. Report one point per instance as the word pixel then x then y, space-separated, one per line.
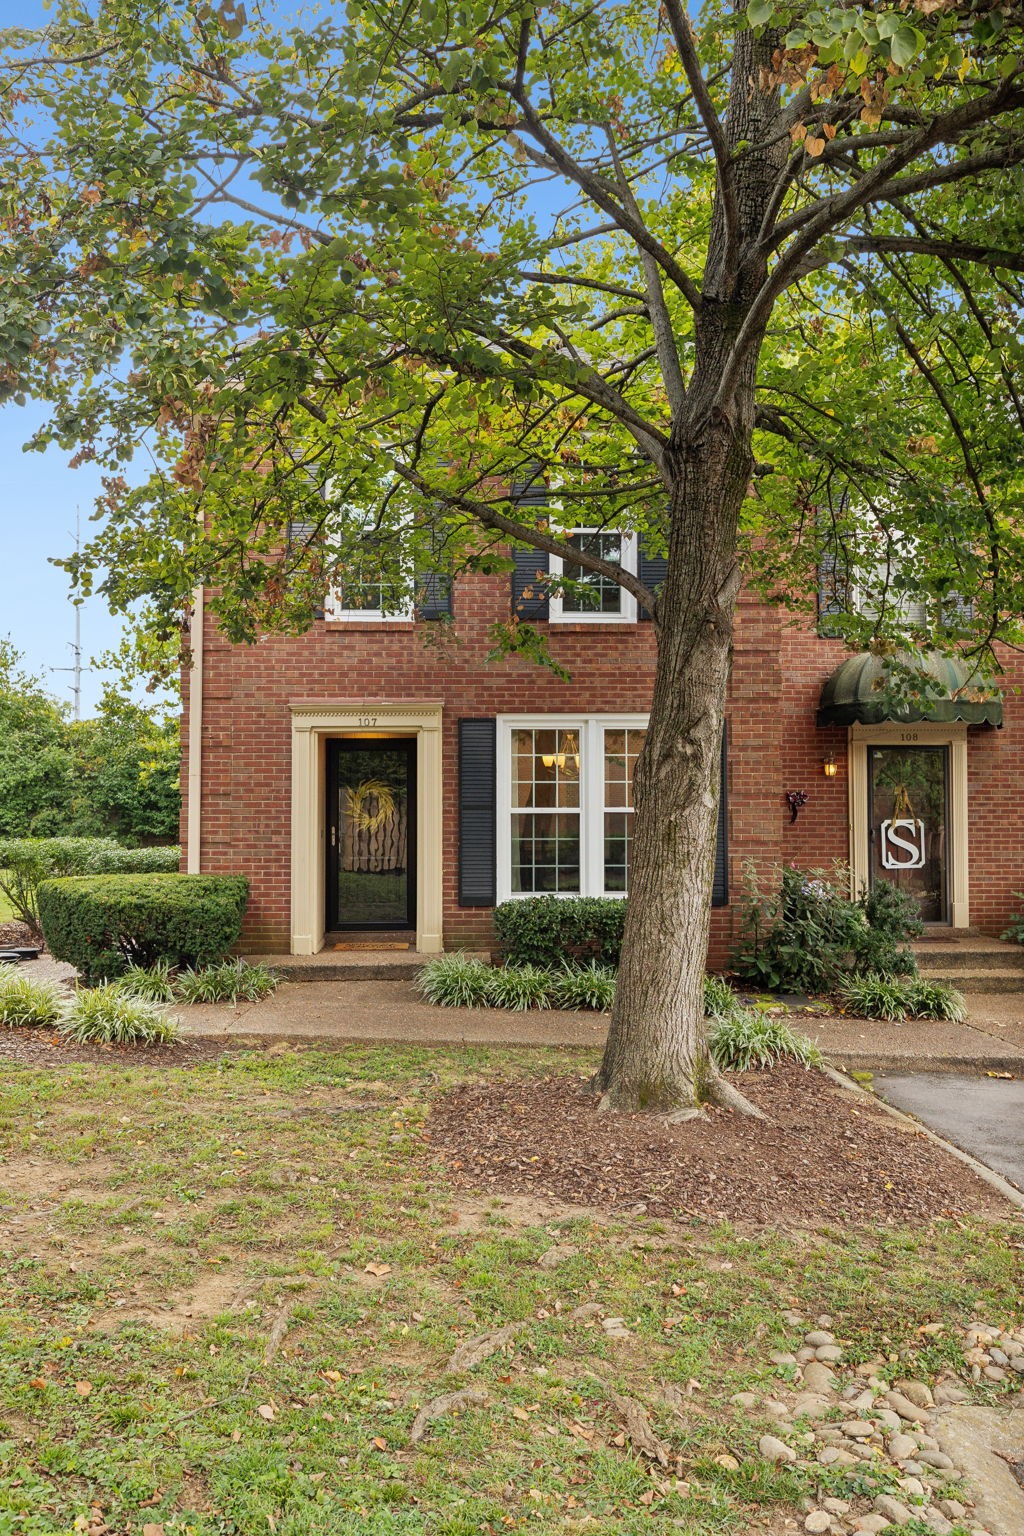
pixel 652 570
pixel 529 589
pixel 833 593
pixel 720 887
pixel 301 532
pixel 478 842
pixel 434 595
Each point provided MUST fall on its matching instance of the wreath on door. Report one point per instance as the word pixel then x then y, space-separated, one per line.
pixel 358 799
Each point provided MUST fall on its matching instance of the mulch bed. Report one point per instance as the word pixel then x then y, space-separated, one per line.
pixel 15 935
pixel 823 1154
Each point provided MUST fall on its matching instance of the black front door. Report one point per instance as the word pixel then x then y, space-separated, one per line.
pixel 371 833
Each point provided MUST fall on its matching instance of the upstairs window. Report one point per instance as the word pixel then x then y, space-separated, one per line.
pixel 594 597
pixel 370 588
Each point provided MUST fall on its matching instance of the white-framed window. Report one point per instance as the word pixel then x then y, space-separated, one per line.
pixel 596 599
pixel 368 590
pixel 565 803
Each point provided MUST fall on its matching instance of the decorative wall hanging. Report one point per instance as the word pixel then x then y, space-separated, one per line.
pixel 903 834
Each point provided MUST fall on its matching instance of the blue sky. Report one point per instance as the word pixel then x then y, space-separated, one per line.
pixel 38 497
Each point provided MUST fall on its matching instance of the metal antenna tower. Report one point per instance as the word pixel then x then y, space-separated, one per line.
pixel 76 645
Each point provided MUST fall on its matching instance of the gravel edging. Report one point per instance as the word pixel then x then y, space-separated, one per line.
pixel 982 1170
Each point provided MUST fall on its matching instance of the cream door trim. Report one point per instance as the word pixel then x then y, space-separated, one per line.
pixel 314 722
pixel 194 816
pixel 924 734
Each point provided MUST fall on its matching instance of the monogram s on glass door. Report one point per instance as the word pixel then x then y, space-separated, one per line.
pixel 908 824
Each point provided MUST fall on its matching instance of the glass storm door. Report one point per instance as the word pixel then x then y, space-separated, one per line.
pixel 908 824
pixel 371 834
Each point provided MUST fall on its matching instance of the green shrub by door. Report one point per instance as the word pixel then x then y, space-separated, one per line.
pixel 102 924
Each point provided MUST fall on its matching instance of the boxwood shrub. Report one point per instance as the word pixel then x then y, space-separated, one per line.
pixel 102 924
pixel 549 930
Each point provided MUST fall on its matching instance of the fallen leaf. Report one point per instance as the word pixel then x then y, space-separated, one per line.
pixel 152 1530
pixel 83 1388
pixel 236 1435
pixel 334 1376
pixel 39 1383
pixel 267 1411
pixel 377 1269
pixel 379 1443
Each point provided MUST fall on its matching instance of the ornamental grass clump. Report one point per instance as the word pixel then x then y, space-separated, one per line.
pixel 153 984
pixel 234 981
pixel 720 1001
pixel 585 986
pixel 897 998
pixel 746 1040
pixel 105 1016
pixel 26 1002
pixel 455 981
pixel 519 987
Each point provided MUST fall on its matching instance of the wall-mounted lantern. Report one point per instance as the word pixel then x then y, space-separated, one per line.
pixel 829 766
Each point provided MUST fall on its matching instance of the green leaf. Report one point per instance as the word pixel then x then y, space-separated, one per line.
pixel 759 11
pixel 906 44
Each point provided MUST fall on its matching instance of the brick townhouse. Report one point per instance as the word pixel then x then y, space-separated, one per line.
pixel 379 777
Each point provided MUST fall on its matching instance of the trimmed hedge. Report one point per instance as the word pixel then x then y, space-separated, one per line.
pixel 25 862
pixel 102 924
pixel 548 930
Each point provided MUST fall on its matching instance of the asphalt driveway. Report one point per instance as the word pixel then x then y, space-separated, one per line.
pixel 982 1115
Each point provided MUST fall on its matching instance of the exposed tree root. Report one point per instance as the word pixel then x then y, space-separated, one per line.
pixel 718 1091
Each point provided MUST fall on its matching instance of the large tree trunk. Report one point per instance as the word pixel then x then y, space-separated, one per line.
pixel 656 1057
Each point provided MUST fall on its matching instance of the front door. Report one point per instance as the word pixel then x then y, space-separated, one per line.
pixel 371 833
pixel 908 816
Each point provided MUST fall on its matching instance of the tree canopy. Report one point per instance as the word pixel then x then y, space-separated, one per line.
pixel 364 272
pixel 114 775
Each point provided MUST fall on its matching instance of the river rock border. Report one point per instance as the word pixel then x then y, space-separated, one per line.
pixel 894 1431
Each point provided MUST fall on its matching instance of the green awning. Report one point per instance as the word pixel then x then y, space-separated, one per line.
pixel 864 690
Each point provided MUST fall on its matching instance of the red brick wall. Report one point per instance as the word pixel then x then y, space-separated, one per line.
pixel 774 746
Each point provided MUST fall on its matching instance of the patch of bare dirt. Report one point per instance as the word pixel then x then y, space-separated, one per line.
pixel 15 935
pixel 224 1290
pixel 821 1155
pixel 475 1213
pixel 35 1047
pixel 32 1179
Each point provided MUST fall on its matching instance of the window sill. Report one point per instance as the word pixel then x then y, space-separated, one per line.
pixel 369 626
pixel 578 623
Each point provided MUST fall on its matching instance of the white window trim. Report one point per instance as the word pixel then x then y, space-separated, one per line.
pixel 627 602
pixel 334 613
pixel 591 729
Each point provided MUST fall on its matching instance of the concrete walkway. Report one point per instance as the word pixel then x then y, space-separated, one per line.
pixel 336 1011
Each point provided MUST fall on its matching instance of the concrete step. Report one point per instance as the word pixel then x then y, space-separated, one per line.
pixel 346 965
pixel 1002 981
pixel 933 957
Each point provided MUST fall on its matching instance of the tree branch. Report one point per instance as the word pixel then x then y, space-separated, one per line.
pixel 598 193
pixel 682 36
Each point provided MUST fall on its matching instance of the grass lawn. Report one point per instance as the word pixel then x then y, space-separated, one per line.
pixel 229 1288
pixel 6 910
